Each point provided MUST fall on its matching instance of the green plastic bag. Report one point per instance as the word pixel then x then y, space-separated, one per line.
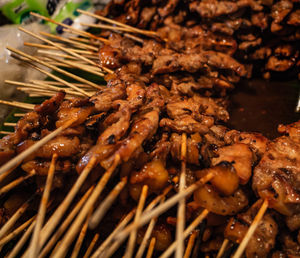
pixel 18 11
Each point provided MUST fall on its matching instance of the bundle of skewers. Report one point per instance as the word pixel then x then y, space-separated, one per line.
pixel 142 164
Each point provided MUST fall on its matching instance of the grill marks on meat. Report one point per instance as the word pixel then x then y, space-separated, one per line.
pixel 262 241
pixel 277 175
pixel 103 100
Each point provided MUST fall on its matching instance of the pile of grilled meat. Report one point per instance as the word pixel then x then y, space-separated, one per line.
pixel 173 84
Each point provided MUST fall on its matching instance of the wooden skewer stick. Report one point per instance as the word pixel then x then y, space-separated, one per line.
pixel 190 244
pixel 108 27
pixel 60 211
pixel 86 68
pixel 59 54
pixel 251 230
pixel 223 247
pixel 91 246
pixel 133 29
pixel 18 104
pixel 56 83
pixel 12 220
pixel 147 216
pixel 133 234
pixel 65 49
pixel 80 239
pixel 151 247
pixel 19 114
pixel 16 232
pixel 84 40
pixel 9 124
pixel 58 70
pixel 15 183
pixel 69 237
pixel 107 253
pixel 34 247
pixel 5 132
pixel 70 41
pixel 77 31
pixel 22 241
pixel 180 224
pixel 186 233
pixel 108 240
pixel 106 204
pixel 35 147
pixel 58 233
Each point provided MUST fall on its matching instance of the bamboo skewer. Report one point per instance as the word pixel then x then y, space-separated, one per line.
pixel 58 233
pixel 10 164
pixel 64 49
pixel 5 132
pixel 251 230
pixel 151 247
pixel 108 27
pixel 223 248
pixel 9 124
pixel 18 104
pixel 34 247
pixel 15 183
pixel 106 204
pixel 19 114
pixel 60 211
pixel 70 41
pixel 180 224
pixel 147 216
pixel 91 246
pixel 133 234
pixel 133 29
pixel 190 245
pixel 80 239
pixel 70 28
pixel 22 241
pixel 56 83
pixel 69 237
pixel 188 230
pixel 16 232
pixel 117 243
pixel 56 69
pixel 12 220
pixel 108 240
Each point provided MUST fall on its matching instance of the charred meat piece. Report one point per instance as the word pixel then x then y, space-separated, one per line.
pixel 241 158
pixel 262 241
pixel 277 175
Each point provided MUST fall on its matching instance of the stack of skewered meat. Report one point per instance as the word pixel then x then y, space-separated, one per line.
pixel 160 90
pixel 262 32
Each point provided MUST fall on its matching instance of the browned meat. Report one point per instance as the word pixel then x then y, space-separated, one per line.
pixel 103 99
pixel 168 8
pixel 209 198
pixel 135 94
pixel 280 10
pixel 196 62
pixel 277 175
pixel 293 222
pixel 213 8
pixel 241 158
pixel 66 113
pixel 262 241
pixel 279 65
pixel 294 18
pixel 284 50
pixel 50 106
pixel 41 167
pixel 146 16
pixel 142 130
pixel 186 124
pixel 261 53
pixel 109 57
pixel 225 179
pixel 260 20
pixel 256 141
pixel 193 155
pixel 250 44
pixel 61 145
pixel 7 149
